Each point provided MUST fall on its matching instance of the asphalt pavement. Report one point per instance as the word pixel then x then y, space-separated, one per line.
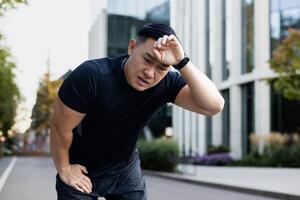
pixel 33 178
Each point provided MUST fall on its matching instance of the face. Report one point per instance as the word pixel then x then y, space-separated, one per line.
pixel 142 69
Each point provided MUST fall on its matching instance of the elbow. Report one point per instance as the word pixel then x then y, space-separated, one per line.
pixel 51 125
pixel 217 107
pixel 220 104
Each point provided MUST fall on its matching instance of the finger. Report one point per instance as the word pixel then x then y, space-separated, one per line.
pixel 83 180
pixel 159 42
pixel 84 186
pixel 83 169
pixel 88 181
pixel 157 54
pixel 171 37
pixel 77 188
pixel 164 40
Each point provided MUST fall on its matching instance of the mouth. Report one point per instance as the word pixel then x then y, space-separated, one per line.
pixel 142 81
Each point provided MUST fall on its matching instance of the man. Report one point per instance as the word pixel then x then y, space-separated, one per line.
pixel 103 106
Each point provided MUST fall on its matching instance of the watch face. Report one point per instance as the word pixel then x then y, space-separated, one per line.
pixel 182 63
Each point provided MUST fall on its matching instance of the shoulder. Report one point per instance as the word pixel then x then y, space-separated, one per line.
pixel 91 68
pixel 106 65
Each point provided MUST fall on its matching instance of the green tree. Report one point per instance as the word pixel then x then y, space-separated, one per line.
pixel 9 92
pixel 285 62
pixel 43 108
pixel 9 4
pixel 42 111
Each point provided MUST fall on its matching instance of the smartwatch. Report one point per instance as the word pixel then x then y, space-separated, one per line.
pixel 182 63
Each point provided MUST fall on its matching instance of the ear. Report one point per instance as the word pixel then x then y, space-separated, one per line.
pixel 131 46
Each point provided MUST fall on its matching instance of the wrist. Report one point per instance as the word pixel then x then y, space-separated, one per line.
pixel 182 63
pixel 63 169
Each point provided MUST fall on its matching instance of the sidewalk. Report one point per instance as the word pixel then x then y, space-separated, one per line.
pixel 281 183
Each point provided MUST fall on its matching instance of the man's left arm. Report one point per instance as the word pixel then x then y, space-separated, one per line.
pixel 200 95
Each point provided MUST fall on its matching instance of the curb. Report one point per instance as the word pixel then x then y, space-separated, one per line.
pixel 264 193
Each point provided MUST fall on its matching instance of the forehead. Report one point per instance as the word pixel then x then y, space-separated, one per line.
pixel 148 44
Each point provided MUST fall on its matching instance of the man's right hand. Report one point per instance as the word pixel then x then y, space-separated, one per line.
pixel 74 176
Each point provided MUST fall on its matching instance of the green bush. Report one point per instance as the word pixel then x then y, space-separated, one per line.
pixel 285 156
pixel 296 154
pixel 218 149
pixel 159 154
pixel 281 156
pixel 1 148
pixel 253 159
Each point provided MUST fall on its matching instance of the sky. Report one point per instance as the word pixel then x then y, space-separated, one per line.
pixel 54 29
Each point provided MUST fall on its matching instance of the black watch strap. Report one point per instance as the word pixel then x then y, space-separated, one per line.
pixel 182 63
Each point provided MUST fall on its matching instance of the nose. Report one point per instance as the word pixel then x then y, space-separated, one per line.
pixel 149 72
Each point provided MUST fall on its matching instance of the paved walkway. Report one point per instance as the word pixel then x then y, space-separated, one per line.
pixel 34 178
pixel 277 182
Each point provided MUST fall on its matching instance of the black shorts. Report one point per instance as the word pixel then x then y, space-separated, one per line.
pixel 126 184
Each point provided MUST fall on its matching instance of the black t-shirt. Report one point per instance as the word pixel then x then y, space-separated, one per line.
pixel 115 112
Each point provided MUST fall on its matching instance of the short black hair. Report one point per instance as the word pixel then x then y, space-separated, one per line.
pixel 155 31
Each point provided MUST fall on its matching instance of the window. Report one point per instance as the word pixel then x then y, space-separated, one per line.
pixel 285 14
pixel 226 119
pixel 124 19
pixel 248 36
pixel 128 16
pixel 247 115
pixel 284 113
pixel 227 39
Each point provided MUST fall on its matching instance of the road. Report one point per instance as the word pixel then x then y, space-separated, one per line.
pixel 34 178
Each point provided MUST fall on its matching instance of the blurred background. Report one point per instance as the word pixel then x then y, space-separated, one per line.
pixel 249 48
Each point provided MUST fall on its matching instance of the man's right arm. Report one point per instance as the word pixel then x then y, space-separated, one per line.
pixel 63 121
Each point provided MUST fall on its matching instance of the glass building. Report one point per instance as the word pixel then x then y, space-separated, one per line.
pixel 126 17
pixel 229 40
pixel 232 41
pixel 118 23
pixel 284 14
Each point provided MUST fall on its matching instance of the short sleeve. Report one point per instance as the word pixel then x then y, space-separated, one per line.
pixel 79 89
pixel 175 83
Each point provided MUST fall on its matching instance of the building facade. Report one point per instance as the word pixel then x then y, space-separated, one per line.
pixel 115 22
pixel 232 41
pixel 229 40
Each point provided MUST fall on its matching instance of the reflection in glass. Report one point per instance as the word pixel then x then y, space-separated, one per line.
pixel 125 17
pixel 284 113
pixel 275 30
pixel 210 36
pixel 226 119
pixel 284 15
pixel 208 44
pixel 247 115
pixel 228 42
pixel 248 36
pixel 277 5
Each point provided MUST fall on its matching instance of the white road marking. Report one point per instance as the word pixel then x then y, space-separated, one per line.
pixel 7 171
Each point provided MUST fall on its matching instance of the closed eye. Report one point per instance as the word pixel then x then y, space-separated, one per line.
pixel 148 61
pixel 163 68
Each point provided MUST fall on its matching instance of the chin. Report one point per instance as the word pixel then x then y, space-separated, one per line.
pixel 141 89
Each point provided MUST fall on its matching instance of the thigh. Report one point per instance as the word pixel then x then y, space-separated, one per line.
pixel 66 192
pixel 130 185
pixel 135 195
